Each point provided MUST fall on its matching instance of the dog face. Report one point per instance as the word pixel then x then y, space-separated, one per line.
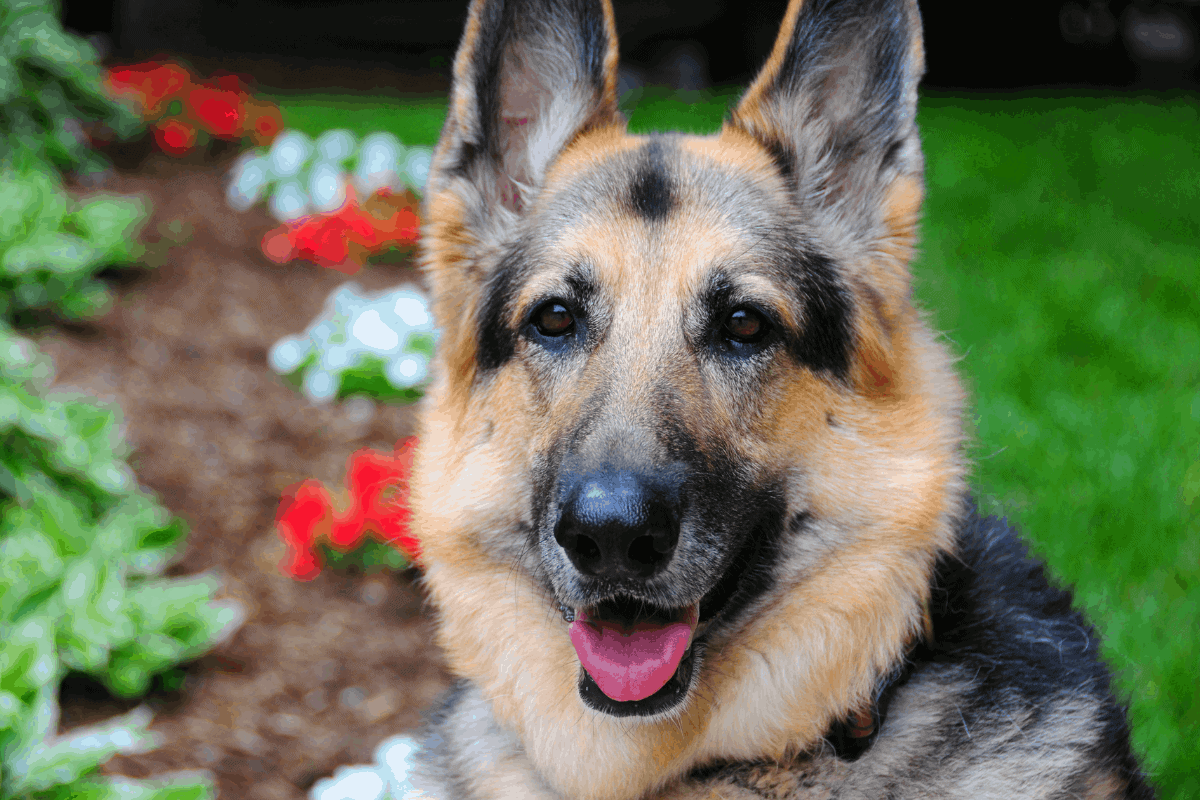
pixel 690 451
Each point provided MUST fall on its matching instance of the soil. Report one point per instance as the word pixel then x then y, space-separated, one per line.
pixel 321 671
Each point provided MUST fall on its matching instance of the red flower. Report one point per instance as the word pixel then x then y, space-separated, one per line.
pixel 377 484
pixel 227 81
pixel 150 85
pixel 304 509
pixel 322 239
pixel 220 112
pixel 267 125
pixel 344 238
pixel 175 136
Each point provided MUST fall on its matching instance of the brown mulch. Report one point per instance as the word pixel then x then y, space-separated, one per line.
pixel 320 672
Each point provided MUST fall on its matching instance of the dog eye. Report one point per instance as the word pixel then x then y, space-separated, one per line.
pixel 553 319
pixel 746 325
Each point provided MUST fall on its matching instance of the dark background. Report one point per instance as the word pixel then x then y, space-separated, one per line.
pixel 690 43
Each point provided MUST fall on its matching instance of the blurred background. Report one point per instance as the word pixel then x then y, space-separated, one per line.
pixel 685 43
pixel 212 333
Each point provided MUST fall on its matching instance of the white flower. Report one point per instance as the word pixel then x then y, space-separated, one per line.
pixel 378 162
pixel 335 145
pixel 248 179
pixel 412 310
pixel 416 167
pixel 406 372
pixel 372 331
pixel 327 187
pixel 289 152
pixel 319 385
pixel 353 326
pixel 350 783
pixel 288 354
pixel 289 201
pixel 394 757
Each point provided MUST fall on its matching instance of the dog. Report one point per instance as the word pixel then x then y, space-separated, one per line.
pixel 691 483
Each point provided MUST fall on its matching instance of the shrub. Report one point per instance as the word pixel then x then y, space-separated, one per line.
pixel 81 550
pixel 50 88
pixel 52 247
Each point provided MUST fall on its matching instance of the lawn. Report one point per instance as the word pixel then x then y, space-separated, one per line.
pixel 1060 257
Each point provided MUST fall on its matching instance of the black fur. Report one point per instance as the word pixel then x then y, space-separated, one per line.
pixel 435 752
pixel 497 338
pixel 651 195
pixel 828 338
pixel 821 39
pixel 784 157
pixel 995 610
pixel 1000 622
pixel 750 573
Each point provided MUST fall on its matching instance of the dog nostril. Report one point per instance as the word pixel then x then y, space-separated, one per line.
pixel 662 540
pixel 646 553
pixel 587 549
pixel 584 551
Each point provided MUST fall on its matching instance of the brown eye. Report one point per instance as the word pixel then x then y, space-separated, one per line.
pixel 746 325
pixel 553 319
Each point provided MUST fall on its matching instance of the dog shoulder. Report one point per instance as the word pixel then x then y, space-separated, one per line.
pixel 465 755
pixel 1015 668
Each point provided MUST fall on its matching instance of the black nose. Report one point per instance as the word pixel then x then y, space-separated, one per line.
pixel 617 524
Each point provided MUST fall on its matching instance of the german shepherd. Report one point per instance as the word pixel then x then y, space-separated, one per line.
pixel 691 484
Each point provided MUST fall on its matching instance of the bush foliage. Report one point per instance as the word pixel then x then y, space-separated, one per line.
pixel 81 549
pixel 52 247
pixel 50 86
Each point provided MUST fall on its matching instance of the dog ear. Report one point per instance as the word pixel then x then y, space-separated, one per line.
pixel 529 76
pixel 836 107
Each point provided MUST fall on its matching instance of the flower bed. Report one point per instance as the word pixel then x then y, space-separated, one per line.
pixel 186 111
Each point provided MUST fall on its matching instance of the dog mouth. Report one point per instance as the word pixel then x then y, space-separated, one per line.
pixel 631 650
pixel 639 659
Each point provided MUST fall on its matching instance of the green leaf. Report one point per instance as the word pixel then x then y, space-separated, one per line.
pixel 29 565
pixel 162 604
pixel 10 707
pixel 27 659
pixel 10 82
pixel 65 759
pixel 110 222
pixel 60 253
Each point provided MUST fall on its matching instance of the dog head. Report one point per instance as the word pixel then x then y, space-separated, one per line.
pixel 690 450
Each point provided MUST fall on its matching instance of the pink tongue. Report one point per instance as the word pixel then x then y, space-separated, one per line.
pixel 630 664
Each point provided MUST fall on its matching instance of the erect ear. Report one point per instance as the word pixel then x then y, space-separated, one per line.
pixel 530 76
pixel 836 106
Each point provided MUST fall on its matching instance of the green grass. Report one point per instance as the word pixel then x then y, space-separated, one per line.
pixel 415 119
pixel 1060 256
